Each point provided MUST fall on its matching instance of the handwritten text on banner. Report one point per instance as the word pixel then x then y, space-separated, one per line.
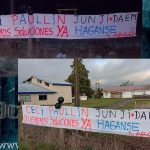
pixel 132 122
pixel 61 26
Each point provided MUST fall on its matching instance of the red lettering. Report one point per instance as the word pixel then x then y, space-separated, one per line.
pixel 140 134
pixel 66 122
pixel 5 32
pixel 125 34
pixel 27 109
pixel 45 21
pixel 51 109
pixel 86 123
pixel 62 31
pixel 14 19
pixel 84 112
pixel 61 19
pixel 33 31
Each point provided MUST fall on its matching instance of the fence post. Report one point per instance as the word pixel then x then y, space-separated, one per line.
pixel 21 124
pixel 61 131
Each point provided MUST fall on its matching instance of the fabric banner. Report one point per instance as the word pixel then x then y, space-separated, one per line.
pixel 134 122
pixel 61 26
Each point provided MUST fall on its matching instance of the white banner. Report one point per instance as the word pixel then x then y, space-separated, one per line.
pixel 134 122
pixel 61 26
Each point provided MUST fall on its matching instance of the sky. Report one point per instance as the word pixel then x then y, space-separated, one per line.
pixel 109 72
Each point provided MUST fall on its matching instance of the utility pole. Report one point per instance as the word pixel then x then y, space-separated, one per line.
pixel 76 59
pixel 30 12
pixel 12 11
pixel 77 98
pixel 97 84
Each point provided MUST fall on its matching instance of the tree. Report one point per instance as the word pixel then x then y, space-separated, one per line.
pixel 127 83
pixel 84 82
pixel 98 93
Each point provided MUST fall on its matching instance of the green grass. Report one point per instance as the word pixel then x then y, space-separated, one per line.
pixel 97 102
pixel 138 102
pixel 128 106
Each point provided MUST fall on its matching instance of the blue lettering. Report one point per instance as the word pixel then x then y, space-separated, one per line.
pixel 66 112
pixel 37 20
pixel 117 125
pixel 78 30
pixel 101 30
pixel 112 125
pixel 56 112
pixel 113 29
pixel 85 30
pixel 32 110
pixel 135 126
pixel 95 30
pixel 22 19
pixel 79 111
pixel 100 122
pixel 129 126
pixel 91 30
pixel 107 124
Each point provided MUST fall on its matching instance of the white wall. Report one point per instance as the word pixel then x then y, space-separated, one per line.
pixel 51 100
pixel 128 94
pixel 64 91
pixel 106 95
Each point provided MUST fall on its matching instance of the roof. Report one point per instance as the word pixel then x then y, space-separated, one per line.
pixel 26 88
pixel 46 79
pixel 127 88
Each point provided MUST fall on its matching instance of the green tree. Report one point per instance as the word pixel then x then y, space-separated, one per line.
pixel 84 82
pixel 127 83
pixel 99 93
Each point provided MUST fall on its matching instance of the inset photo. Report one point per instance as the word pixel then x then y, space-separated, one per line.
pixel 73 100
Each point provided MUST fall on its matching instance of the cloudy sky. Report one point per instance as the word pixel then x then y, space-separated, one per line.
pixel 109 72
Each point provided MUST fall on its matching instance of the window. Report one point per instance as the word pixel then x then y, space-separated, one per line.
pixel 25 98
pixel 47 84
pixel 42 97
pixel 39 81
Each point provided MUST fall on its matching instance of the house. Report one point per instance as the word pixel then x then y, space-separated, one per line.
pixel 39 91
pixel 126 91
